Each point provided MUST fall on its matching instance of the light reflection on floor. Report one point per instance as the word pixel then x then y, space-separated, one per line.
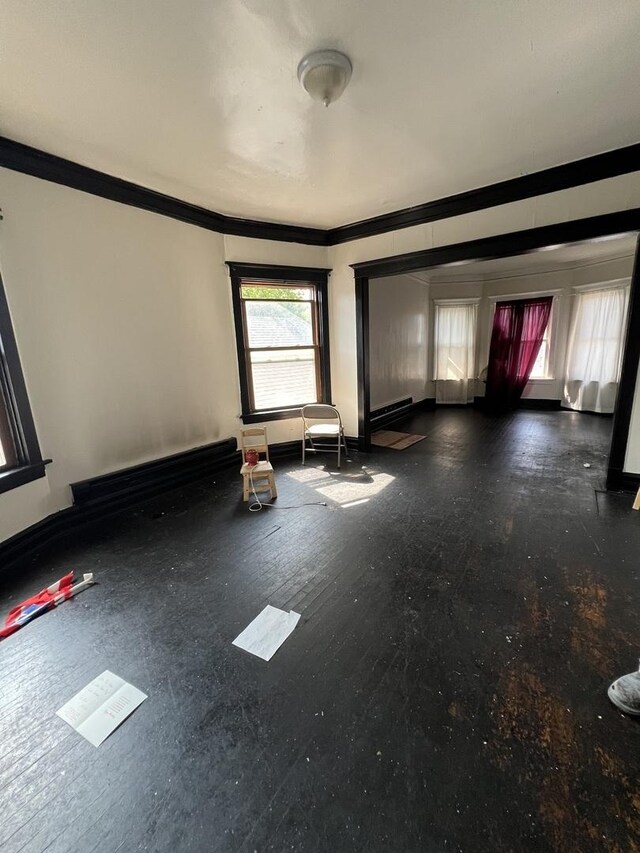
pixel 344 489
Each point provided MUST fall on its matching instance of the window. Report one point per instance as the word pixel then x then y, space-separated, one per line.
pixel 455 350
pixel 20 458
pixel 281 320
pixel 455 340
pixel 541 368
pixel 595 350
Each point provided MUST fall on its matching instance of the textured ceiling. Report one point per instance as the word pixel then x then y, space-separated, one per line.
pixel 200 99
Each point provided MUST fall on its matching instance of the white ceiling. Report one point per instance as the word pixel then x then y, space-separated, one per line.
pixel 543 260
pixel 199 98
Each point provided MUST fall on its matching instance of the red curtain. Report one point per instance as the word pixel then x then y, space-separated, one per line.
pixel 518 330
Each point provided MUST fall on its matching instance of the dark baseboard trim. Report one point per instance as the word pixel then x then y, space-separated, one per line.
pixel 620 481
pixel 456 405
pixel 294 448
pixel 545 405
pixel 587 412
pixel 528 403
pixel 159 475
pixel 49 167
pixel 426 405
pixel 405 408
pixel 100 497
pixel 387 414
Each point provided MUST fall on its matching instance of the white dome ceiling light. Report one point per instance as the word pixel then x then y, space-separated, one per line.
pixel 325 74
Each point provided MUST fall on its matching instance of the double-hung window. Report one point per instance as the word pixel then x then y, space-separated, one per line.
pixel 281 320
pixel 20 458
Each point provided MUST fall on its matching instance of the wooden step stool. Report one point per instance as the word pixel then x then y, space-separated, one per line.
pixel 255 438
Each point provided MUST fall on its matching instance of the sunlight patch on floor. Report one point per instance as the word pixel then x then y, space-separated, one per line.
pixel 349 492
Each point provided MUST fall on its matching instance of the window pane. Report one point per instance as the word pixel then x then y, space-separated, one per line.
pixel 279 324
pixel 262 291
pixel 539 370
pixel 455 341
pixel 284 378
pixel 3 458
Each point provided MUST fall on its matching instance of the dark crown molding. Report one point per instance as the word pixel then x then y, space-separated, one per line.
pixel 49 167
pixel 596 168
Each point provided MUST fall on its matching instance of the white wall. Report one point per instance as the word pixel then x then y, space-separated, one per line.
pixel 124 321
pixel 399 352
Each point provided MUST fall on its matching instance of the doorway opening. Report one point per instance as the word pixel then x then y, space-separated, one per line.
pixel 427 329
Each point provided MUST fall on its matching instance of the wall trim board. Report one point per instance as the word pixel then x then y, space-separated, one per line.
pixel 587 170
pixel 58 170
pixel 391 408
pixel 40 164
pixel 503 245
pixel 155 476
pixel 628 376
pixel 396 411
pixel 529 403
pixel 294 448
pixel 542 405
pixel 620 481
pixel 363 363
pixel 101 497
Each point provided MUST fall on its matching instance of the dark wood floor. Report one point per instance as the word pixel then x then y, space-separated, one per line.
pixel 465 604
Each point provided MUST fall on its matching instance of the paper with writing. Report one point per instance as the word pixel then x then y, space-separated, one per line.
pixel 100 707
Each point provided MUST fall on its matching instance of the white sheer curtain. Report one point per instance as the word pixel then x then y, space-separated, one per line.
pixel 594 355
pixel 454 351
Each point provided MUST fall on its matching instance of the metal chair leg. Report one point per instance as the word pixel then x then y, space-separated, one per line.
pixel 338 450
pixel 304 444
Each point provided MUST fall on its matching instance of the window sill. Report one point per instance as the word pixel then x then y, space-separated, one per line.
pixel 271 415
pixel 277 414
pixel 15 477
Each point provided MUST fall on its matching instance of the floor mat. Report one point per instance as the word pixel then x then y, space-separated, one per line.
pixel 395 440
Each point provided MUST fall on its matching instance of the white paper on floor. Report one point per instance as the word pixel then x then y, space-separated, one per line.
pixel 100 707
pixel 268 631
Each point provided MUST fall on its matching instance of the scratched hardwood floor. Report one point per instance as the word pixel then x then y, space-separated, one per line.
pixel 465 604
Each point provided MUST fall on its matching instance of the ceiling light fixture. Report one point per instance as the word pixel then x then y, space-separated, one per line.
pixel 325 74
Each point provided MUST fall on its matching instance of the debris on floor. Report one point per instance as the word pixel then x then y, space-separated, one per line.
pixel 100 707
pixel 268 631
pixel 46 599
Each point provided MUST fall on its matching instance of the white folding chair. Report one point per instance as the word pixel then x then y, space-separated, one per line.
pixel 323 422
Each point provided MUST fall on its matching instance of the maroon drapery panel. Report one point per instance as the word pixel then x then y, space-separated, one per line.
pixel 518 330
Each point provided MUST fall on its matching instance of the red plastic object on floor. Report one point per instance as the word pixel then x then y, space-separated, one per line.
pixel 46 599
